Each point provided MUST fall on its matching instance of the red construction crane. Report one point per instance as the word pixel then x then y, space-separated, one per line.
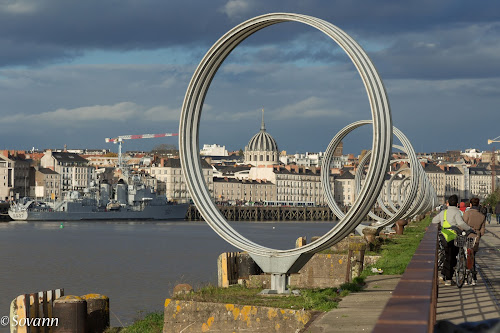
pixel 120 139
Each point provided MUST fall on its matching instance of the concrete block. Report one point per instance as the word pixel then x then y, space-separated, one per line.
pixel 322 271
pixel 195 317
pixel 343 245
pixel 259 281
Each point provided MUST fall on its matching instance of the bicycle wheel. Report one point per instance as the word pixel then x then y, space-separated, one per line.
pixel 470 265
pixel 460 269
pixel 440 256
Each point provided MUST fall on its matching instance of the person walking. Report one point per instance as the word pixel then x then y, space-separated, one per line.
pixel 476 220
pixel 497 212
pixel 489 211
pixel 452 216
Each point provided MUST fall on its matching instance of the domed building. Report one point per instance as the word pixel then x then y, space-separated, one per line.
pixel 262 149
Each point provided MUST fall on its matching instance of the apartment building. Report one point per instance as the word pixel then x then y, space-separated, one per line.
pixel 171 181
pixel 232 189
pixel 47 184
pixel 76 173
pixel 14 175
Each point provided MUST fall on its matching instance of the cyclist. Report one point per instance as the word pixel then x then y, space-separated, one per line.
pixel 452 216
pixel 476 221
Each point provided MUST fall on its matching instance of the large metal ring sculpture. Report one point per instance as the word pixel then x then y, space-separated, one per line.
pixel 407 148
pixel 273 260
pixel 418 197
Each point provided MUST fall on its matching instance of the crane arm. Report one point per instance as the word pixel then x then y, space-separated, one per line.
pixel 140 136
pixel 497 139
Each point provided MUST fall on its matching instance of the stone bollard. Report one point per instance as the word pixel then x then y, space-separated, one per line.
pixel 97 312
pixel 301 241
pixel 370 234
pixel 355 260
pixel 72 314
pixel 400 226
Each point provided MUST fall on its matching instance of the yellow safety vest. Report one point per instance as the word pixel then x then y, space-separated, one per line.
pixel 448 234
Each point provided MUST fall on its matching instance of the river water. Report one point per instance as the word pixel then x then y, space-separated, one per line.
pixel 135 264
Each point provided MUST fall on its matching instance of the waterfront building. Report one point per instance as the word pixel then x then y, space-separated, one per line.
pixel 480 182
pixel 76 173
pixel 296 183
pixel 454 182
pixel 14 175
pixel 344 191
pixel 171 180
pixel 438 180
pixel 398 182
pixel 47 184
pixel 236 190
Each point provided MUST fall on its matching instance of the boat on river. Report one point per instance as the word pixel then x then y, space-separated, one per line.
pixel 132 201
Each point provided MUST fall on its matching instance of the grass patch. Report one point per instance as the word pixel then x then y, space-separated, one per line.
pixel 151 323
pixel 309 299
pixel 396 252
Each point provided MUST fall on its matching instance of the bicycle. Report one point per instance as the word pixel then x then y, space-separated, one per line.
pixel 465 257
pixel 441 253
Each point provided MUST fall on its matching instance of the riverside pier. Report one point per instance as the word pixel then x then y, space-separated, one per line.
pixel 266 213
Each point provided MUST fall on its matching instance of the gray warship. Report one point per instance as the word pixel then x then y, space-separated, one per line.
pixel 131 201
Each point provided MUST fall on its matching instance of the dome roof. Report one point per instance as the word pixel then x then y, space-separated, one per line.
pixel 262 141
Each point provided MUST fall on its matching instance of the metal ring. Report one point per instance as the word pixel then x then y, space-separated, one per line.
pixel 190 122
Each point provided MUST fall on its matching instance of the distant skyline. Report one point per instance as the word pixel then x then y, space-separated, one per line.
pixel 75 73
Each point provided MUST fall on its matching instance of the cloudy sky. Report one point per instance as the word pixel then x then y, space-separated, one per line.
pixel 76 72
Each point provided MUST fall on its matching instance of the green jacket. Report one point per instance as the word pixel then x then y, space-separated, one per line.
pixel 454 218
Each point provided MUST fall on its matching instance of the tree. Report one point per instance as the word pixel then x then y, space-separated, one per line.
pixel 493 198
pixel 240 152
pixel 165 149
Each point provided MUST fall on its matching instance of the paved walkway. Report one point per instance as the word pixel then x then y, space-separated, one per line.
pixel 480 302
pixel 468 304
pixel 370 302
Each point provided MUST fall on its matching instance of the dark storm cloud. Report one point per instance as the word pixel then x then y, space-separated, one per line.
pixel 439 61
pixel 459 51
pixel 33 32
pixel 55 29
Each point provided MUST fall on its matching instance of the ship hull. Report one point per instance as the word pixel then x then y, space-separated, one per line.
pixel 164 212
